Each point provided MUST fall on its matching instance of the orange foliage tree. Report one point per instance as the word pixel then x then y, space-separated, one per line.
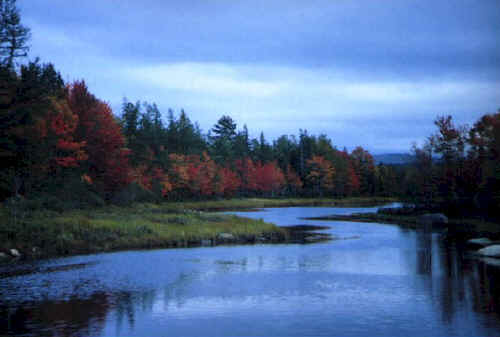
pixel 321 174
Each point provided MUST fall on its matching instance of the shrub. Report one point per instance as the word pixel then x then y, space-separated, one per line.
pixel 133 193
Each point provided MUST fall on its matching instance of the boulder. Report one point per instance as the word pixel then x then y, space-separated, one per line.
pixel 479 242
pixel 15 253
pixel 490 251
pixel 225 236
pixel 430 219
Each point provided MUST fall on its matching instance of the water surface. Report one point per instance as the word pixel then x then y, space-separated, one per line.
pixel 388 282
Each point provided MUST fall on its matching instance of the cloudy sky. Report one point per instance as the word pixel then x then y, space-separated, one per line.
pixel 374 73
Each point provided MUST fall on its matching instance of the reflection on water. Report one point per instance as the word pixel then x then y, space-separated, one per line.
pixel 390 281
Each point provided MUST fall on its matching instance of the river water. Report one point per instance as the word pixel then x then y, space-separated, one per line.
pixel 376 280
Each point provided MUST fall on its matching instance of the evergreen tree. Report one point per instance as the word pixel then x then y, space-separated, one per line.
pixel 13 35
pixel 223 139
pixel 242 144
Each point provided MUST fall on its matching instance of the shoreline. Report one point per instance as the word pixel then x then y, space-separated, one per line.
pixel 283 235
pixel 46 234
pixel 457 228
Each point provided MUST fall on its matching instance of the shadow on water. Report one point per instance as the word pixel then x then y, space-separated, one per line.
pixel 75 316
pixel 461 281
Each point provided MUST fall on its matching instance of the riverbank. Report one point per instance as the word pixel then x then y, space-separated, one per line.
pixel 255 203
pixel 43 233
pixel 460 228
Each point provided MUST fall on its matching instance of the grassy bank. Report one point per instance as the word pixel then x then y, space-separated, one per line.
pixel 464 228
pixel 252 203
pixel 46 233
pixel 40 233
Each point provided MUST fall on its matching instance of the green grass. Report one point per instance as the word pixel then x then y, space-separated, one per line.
pixel 114 228
pixel 172 224
pixel 252 203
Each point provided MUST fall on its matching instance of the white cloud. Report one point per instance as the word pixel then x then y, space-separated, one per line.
pixel 210 78
pixel 296 85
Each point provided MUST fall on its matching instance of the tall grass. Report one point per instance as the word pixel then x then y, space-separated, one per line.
pixel 146 225
pixel 249 203
pixel 112 228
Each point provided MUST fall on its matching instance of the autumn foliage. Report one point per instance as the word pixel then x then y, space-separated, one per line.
pixel 107 162
pixel 54 134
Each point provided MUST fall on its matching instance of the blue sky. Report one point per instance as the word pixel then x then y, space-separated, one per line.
pixel 373 73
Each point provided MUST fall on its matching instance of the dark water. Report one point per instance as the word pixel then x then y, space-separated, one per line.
pixel 388 282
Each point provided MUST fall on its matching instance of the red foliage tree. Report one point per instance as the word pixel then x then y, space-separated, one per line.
pixel 228 182
pixel 248 174
pixel 270 178
pixel 105 145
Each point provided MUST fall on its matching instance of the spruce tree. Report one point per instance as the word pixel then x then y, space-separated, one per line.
pixel 13 35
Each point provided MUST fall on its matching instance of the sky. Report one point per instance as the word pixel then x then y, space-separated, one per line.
pixel 374 73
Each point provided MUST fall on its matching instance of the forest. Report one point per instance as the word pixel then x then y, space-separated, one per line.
pixel 62 147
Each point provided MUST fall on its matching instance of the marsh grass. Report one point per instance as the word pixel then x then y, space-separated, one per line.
pixel 144 225
pixel 113 228
pixel 252 203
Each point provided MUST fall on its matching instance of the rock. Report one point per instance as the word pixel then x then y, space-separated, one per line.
pixel 480 242
pixel 3 256
pixel 206 242
pixel 491 251
pixel 35 250
pixel 225 236
pixel 314 238
pixel 15 253
pixel 430 219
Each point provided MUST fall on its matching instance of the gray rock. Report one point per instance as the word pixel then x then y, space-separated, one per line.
pixel 314 238
pixel 225 236
pixel 15 253
pixel 491 251
pixel 482 242
pixel 430 219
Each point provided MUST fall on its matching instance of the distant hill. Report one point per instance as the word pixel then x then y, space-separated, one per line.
pixel 393 158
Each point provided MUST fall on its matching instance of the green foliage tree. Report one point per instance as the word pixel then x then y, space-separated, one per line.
pixel 13 35
pixel 222 139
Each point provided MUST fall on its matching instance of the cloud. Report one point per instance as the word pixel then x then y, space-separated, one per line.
pixel 373 73
pixel 212 78
pixel 300 85
pixel 405 38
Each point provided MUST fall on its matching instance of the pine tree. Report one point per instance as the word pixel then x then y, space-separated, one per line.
pixel 13 35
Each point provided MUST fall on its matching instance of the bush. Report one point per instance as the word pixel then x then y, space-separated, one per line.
pixel 133 193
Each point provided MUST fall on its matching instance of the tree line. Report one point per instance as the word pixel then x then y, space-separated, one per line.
pixel 59 139
pixel 458 168
pixel 60 142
